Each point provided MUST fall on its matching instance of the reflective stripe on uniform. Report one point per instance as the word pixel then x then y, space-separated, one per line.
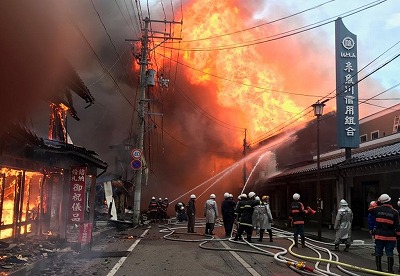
pixel 384 238
pixel 383 220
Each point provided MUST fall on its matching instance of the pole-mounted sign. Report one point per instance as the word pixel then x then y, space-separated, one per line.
pixel 136 164
pixel 346 87
pixel 136 153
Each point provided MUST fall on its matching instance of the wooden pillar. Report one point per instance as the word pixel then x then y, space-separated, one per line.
pixel 340 183
pixel 64 204
pixel 92 204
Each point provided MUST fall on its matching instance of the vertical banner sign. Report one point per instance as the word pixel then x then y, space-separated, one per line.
pixel 85 233
pixel 346 87
pixel 77 195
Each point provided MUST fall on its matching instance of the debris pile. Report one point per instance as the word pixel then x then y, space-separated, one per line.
pixel 30 250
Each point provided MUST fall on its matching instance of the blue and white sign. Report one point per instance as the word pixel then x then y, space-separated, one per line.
pixel 346 87
pixel 136 154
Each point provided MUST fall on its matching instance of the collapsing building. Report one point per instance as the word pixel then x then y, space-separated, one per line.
pixel 47 184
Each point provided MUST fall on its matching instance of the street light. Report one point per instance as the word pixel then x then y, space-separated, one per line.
pixel 318 110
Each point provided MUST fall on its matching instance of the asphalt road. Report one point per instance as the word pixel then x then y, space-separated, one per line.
pixel 154 249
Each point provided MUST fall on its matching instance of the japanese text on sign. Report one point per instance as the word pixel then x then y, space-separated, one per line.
pixel 77 195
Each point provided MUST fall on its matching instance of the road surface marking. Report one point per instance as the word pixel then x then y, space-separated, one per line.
pixel 118 265
pixel 241 261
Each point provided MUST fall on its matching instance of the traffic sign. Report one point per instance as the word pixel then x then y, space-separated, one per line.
pixel 136 164
pixel 136 153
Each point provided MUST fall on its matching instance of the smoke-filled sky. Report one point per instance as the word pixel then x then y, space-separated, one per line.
pixel 249 83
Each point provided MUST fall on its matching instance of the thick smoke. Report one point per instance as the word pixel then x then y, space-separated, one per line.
pixel 33 43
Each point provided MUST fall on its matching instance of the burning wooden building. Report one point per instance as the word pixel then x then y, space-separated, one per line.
pixel 47 184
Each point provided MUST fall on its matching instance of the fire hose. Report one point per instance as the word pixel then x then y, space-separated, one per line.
pixel 298 266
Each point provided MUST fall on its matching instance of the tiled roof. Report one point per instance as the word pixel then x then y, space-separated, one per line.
pixel 368 156
pixel 75 150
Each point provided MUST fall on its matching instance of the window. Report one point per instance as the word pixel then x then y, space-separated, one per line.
pixel 363 138
pixel 375 135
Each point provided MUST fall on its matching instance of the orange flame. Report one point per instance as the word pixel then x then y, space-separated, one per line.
pixel 29 204
pixel 250 72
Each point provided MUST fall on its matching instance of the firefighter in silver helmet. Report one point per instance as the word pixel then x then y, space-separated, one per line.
pixel 211 214
pixel 191 213
pixel 344 218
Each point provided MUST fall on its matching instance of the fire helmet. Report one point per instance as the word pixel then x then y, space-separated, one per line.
pixel 166 198
pixel 243 196
pixel 252 194
pixel 372 204
pixel 230 195
pixel 257 198
pixel 212 196
pixel 343 202
pixel 153 197
pixel 226 195
pixel 384 198
pixel 159 199
pixel 265 197
pixel 193 196
pixel 296 196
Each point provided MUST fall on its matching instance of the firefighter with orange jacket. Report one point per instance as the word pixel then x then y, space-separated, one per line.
pixel 386 231
pixel 297 216
pixel 152 210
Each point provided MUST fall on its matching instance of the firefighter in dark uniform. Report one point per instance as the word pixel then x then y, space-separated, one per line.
pixel 296 216
pixel 164 207
pixel 228 213
pixel 191 213
pixel 152 210
pixel 244 211
pixel 386 230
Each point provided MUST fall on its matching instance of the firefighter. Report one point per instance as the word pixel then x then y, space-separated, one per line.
pixel 159 210
pixel 386 230
pixel 245 210
pixel 228 213
pixel 343 221
pixel 191 213
pixel 371 222
pixel 264 218
pixel 211 214
pixel 180 212
pixel 164 207
pixel 296 216
pixel 152 210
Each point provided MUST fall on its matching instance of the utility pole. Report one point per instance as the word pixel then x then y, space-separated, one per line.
pixel 141 108
pixel 244 155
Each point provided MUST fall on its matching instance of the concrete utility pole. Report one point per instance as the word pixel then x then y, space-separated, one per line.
pixel 141 108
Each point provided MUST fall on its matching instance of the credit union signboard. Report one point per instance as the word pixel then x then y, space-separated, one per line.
pixel 346 87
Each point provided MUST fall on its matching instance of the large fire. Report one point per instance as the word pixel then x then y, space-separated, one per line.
pixel 20 200
pixel 246 74
pixel 260 88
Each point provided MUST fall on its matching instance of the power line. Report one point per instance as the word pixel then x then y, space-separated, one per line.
pixel 327 99
pixel 126 21
pixel 288 33
pixel 100 61
pixel 208 115
pixel 240 83
pixel 111 41
pixel 260 25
